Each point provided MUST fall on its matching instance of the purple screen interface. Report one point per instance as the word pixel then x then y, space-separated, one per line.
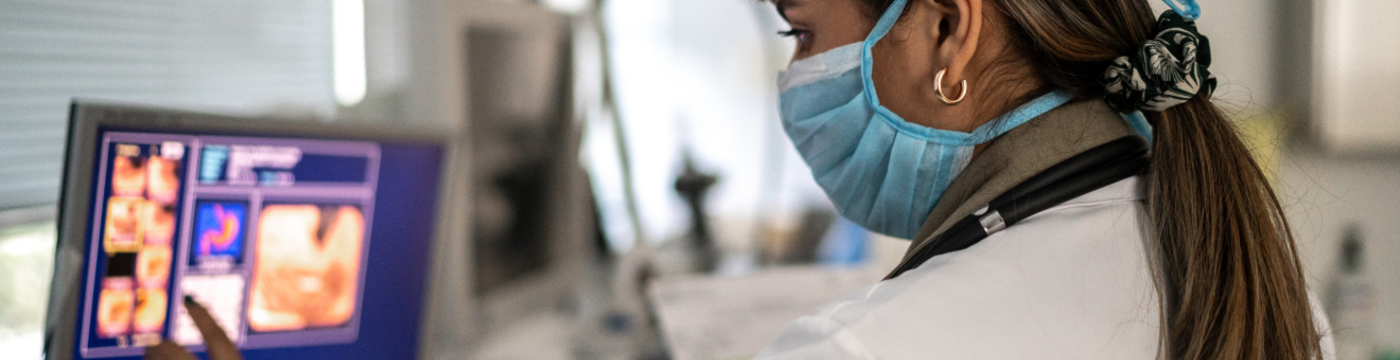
pixel 272 235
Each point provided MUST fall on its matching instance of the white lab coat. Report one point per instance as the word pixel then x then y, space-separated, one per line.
pixel 1072 282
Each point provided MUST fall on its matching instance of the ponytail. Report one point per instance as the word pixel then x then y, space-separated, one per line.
pixel 1231 280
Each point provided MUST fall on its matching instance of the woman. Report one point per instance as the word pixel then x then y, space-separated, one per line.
pixel 915 118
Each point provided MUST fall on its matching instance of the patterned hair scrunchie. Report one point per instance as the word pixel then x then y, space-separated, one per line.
pixel 1166 71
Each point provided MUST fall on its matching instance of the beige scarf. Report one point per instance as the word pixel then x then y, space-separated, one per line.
pixel 1019 154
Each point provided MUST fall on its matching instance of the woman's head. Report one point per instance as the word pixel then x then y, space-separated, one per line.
pixel 1231 282
pixel 967 39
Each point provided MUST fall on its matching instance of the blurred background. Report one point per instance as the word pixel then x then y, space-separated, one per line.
pixel 648 131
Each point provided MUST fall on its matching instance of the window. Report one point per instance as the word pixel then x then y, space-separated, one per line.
pixel 242 57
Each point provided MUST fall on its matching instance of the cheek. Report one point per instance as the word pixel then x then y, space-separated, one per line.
pixel 896 78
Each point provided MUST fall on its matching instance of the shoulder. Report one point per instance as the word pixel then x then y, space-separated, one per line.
pixel 1070 282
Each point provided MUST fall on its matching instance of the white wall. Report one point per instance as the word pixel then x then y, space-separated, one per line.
pixel 1242 40
pixel 1322 195
pixel 698 76
pixel 1358 75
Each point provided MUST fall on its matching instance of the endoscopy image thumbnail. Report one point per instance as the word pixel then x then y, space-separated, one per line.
pixel 124 228
pixel 150 310
pixel 153 265
pixel 128 173
pixel 159 222
pixel 114 307
pixel 162 179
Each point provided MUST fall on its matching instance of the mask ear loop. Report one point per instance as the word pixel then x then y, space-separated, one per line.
pixel 938 89
pixel 882 27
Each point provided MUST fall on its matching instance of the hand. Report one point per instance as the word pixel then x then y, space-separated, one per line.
pixel 216 342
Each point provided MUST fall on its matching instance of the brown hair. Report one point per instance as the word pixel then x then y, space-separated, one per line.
pixel 1230 280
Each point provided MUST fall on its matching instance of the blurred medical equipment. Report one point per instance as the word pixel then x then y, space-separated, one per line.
pixel 692 185
pixel 1352 302
pixel 530 207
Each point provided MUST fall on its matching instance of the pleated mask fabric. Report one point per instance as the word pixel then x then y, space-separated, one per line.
pixel 880 171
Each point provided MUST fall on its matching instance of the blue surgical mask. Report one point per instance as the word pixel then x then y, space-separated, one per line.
pixel 880 171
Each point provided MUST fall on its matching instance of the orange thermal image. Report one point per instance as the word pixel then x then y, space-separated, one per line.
pixel 162 182
pixel 307 267
pixel 160 222
pixel 150 310
pixel 153 266
pixel 114 311
pixel 128 176
pixel 124 225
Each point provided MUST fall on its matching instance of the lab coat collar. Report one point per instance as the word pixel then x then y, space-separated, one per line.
pixel 1019 154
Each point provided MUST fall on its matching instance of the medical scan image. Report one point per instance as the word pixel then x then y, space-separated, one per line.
pixel 150 310
pixel 307 266
pixel 128 175
pixel 114 307
pixel 153 265
pixel 124 225
pixel 219 230
pixel 162 179
pixel 159 222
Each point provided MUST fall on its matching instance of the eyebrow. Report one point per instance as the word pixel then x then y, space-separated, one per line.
pixel 782 5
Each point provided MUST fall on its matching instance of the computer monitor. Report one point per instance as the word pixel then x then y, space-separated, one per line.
pixel 303 239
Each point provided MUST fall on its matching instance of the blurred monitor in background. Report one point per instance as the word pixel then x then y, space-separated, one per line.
pixel 303 240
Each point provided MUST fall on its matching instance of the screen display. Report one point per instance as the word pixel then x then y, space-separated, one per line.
pixel 298 247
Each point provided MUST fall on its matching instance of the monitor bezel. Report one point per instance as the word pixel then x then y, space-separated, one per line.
pixel 87 118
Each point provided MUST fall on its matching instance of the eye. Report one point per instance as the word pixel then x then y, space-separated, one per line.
pixel 800 35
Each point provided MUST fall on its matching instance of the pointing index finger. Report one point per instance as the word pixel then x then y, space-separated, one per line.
pixel 215 340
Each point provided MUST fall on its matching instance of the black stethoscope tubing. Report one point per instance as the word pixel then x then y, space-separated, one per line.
pixel 1081 174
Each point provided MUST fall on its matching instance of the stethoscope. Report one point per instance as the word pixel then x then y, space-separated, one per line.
pixel 1091 170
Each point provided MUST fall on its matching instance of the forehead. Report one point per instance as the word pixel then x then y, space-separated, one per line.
pixel 822 6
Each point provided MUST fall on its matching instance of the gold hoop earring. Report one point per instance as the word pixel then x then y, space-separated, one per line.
pixel 938 89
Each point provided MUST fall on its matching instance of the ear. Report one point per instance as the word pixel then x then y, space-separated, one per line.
pixel 959 26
